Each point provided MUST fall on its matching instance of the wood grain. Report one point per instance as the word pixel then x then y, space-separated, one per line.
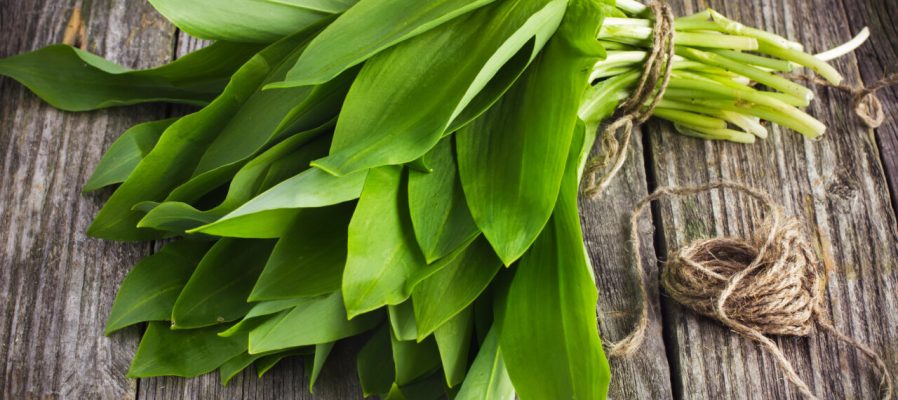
pixel 876 59
pixel 646 374
pixel 57 285
pixel 836 185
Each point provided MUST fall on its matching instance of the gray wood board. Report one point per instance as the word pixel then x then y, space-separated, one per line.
pixel 837 186
pixel 57 284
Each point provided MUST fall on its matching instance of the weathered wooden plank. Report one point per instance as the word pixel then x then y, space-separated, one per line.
pixel 878 58
pixel 57 285
pixel 836 186
pixel 606 226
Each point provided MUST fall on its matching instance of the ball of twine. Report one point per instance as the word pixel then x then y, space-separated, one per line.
pixel 774 293
pixel 771 284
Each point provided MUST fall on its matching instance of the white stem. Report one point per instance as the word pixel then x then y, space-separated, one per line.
pixel 846 47
pixel 631 7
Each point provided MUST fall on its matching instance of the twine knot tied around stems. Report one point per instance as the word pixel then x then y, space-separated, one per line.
pixel 770 284
pixel 650 89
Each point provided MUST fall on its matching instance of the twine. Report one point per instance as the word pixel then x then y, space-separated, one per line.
pixel 650 89
pixel 771 284
pixel 864 101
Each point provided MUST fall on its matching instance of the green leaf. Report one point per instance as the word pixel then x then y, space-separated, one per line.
pixel 402 320
pixel 450 290
pixel 125 153
pixel 181 146
pixel 488 378
pixel 149 291
pixel 454 340
pixel 271 214
pixel 375 363
pixel 217 290
pixel 511 159
pixel 368 28
pixel 437 206
pixel 260 21
pixel 263 120
pixel 280 162
pixel 309 259
pixel 548 321
pixel 414 360
pixel 382 253
pixel 315 321
pixel 184 353
pixel 399 107
pixel 253 317
pixel 322 351
pixel 74 80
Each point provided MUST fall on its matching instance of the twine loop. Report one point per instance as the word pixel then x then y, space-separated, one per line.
pixel 639 106
pixel 867 105
pixel 864 100
pixel 770 284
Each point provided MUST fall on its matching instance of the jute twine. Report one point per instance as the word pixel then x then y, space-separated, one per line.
pixel 864 102
pixel 771 284
pixel 650 89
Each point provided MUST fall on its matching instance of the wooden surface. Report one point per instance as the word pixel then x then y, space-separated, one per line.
pixel 57 284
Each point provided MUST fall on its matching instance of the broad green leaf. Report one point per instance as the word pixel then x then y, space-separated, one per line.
pixel 280 162
pixel 184 353
pixel 125 153
pixel 368 28
pixel 218 289
pixel 252 319
pixel 315 321
pixel 270 214
pixel 264 119
pixel 450 290
pixel 454 340
pixel 322 351
pixel 382 253
pixel 399 107
pixel 414 360
pixel 74 80
pixel 511 159
pixel 437 205
pixel 181 146
pixel 308 260
pixel 402 320
pixel 149 291
pixel 258 21
pixel 174 216
pixel 548 320
pixel 375 363
pixel 488 378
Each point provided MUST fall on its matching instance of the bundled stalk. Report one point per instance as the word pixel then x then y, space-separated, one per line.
pixel 405 171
